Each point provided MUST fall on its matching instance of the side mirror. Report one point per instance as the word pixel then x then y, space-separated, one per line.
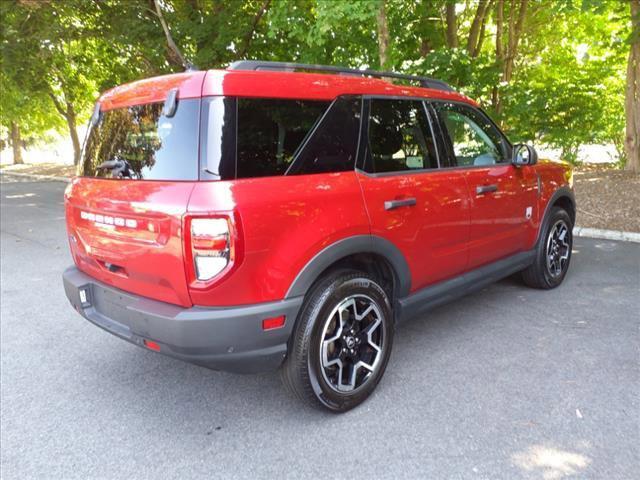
pixel 524 155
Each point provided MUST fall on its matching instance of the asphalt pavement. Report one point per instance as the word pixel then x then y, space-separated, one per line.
pixel 508 383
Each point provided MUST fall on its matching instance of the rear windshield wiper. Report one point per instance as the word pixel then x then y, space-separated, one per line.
pixel 119 168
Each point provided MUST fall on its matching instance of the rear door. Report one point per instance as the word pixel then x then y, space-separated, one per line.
pixel 420 208
pixel 124 213
pixel 503 196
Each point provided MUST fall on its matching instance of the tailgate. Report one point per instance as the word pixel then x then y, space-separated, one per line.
pixel 128 234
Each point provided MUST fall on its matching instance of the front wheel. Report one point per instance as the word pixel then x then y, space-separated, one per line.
pixel 553 252
pixel 341 343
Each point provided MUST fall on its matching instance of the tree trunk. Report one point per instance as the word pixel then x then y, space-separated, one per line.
pixel 452 25
pixel 499 29
pixel 632 95
pixel 476 51
pixel 173 48
pixel 506 57
pixel 473 42
pixel 495 93
pixel 16 144
pixel 73 132
pixel 69 114
pixel 516 23
pixel 256 20
pixel 383 36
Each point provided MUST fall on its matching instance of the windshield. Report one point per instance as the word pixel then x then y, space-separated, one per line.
pixel 139 142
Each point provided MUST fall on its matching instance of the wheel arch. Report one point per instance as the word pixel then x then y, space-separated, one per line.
pixel 366 251
pixel 564 198
pixel 567 203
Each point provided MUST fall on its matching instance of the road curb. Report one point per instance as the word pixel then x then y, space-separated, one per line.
pixel 606 234
pixel 36 176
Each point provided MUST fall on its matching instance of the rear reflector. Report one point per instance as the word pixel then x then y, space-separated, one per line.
pixel 151 345
pixel 272 323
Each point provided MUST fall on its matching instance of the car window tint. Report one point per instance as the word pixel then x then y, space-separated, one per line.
pixel 141 143
pixel 334 144
pixel 270 131
pixel 400 137
pixel 218 138
pixel 475 140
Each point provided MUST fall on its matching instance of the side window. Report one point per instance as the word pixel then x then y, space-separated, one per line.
pixel 334 144
pixel 270 131
pixel 218 138
pixel 400 137
pixel 475 140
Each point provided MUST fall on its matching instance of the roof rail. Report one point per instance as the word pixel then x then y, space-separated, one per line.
pixel 292 67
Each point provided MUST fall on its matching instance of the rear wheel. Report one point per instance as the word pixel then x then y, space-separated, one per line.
pixel 553 252
pixel 341 343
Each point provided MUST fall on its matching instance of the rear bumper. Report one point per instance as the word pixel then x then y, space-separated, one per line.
pixel 224 338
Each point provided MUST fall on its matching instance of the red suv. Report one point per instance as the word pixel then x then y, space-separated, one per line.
pixel 263 217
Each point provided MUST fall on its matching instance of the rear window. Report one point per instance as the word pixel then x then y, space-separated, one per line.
pixel 140 143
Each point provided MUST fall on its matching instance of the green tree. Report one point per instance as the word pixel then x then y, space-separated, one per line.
pixel 553 75
pixel 569 89
pixel 48 52
pixel 632 94
pixel 23 116
pixel 548 70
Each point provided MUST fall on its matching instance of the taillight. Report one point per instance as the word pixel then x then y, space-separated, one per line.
pixel 211 246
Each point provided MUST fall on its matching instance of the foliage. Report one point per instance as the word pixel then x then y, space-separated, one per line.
pixel 550 71
pixel 571 89
pixel 32 113
pixel 56 59
pixel 475 77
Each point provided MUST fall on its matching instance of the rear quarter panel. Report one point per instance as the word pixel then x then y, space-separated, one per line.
pixel 285 222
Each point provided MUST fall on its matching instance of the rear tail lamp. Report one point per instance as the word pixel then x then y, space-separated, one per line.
pixel 211 246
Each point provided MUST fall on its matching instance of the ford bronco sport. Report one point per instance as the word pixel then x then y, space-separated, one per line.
pixel 289 216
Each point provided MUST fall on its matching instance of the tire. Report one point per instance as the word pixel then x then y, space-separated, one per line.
pixel 553 252
pixel 329 340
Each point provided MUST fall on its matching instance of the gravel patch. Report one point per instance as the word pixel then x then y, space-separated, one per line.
pixel 607 199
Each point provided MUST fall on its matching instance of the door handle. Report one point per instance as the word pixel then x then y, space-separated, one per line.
pixel 486 189
pixel 393 204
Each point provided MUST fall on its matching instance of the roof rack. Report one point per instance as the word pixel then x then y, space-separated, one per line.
pixel 292 67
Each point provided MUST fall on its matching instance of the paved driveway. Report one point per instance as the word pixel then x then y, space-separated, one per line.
pixel 507 383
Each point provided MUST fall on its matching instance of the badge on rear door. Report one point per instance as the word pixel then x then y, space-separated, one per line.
pixel 109 220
